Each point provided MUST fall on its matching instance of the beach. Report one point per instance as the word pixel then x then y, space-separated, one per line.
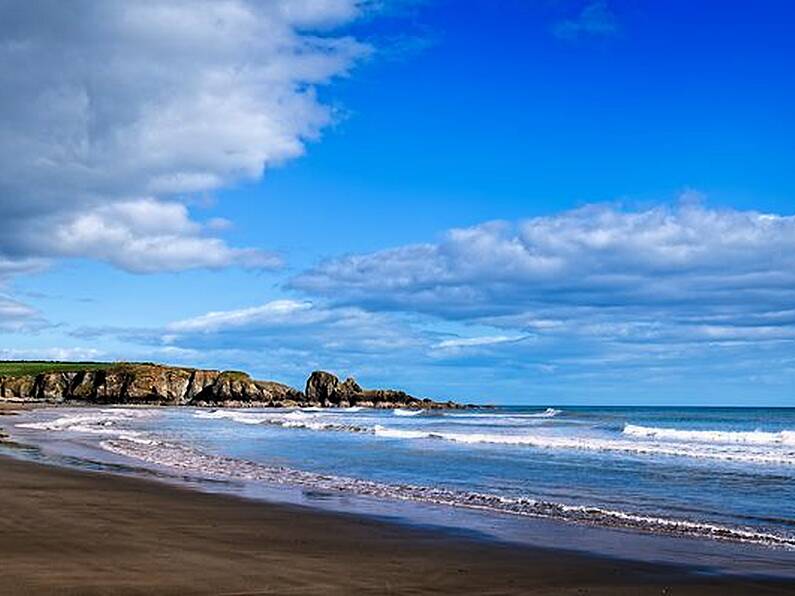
pixel 79 532
pixel 717 476
pixel 397 297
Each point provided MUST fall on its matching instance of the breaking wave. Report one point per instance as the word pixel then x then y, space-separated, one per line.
pixel 399 433
pixel 632 447
pixel 548 413
pixel 296 419
pixel 643 442
pixel 104 423
pixel 402 412
pixel 784 437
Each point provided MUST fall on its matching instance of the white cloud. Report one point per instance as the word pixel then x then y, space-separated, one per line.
pixel 272 313
pixel 13 266
pixel 484 340
pixel 16 316
pixel 56 353
pixel 147 236
pixel 115 110
pixel 602 271
pixel 595 19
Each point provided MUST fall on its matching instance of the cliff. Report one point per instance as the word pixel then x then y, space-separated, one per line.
pixel 166 385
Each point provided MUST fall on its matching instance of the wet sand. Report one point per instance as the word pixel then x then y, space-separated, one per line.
pixel 75 532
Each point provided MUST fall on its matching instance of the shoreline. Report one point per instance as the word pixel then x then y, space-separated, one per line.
pixel 91 532
pixel 665 543
pixel 280 483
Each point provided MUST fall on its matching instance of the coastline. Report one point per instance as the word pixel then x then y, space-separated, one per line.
pixel 150 384
pixel 73 530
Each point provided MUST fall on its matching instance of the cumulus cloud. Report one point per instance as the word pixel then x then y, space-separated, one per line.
pixel 146 236
pixel 660 273
pixel 115 111
pixel 595 19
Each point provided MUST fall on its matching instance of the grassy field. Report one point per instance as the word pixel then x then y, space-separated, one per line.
pixel 15 368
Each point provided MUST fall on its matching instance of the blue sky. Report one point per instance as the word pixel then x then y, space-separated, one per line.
pixel 517 202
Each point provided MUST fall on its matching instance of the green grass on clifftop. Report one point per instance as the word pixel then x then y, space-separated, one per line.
pixel 16 368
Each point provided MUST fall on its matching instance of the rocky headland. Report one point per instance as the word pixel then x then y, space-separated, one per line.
pixel 155 384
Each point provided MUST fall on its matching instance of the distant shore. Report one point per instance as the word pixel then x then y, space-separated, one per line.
pixel 147 383
pixel 89 533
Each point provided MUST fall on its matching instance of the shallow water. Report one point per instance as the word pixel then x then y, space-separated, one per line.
pixel 725 474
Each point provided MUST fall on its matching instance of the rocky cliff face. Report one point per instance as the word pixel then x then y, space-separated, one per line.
pixel 147 384
pixel 165 385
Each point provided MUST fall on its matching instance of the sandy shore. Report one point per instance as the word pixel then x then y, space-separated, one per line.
pixel 67 531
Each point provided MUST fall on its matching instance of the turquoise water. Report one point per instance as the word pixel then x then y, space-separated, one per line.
pixel 705 472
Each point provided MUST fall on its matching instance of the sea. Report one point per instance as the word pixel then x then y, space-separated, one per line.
pixel 691 476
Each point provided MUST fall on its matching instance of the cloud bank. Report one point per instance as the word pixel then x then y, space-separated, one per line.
pixel 121 109
pixel 683 297
pixel 686 272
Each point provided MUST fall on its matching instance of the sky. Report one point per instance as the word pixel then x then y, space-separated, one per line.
pixel 516 202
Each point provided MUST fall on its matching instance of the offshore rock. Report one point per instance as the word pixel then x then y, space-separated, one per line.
pixel 326 390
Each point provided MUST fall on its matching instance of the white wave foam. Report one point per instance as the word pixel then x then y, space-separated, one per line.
pixel 236 416
pixel 398 433
pixel 104 423
pixel 354 409
pixel 732 454
pixel 548 413
pixel 298 415
pixel 295 419
pixel 402 412
pixel 784 437
pixel 745 453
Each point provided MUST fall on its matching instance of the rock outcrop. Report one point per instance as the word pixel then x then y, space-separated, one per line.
pixel 327 390
pixel 167 385
pixel 147 384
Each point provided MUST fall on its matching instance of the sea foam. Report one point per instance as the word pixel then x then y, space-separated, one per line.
pixel 646 442
pixel 401 412
pixel 784 437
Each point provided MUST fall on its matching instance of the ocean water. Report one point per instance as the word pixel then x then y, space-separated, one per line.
pixel 719 474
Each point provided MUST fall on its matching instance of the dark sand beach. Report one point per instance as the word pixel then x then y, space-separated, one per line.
pixel 75 532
